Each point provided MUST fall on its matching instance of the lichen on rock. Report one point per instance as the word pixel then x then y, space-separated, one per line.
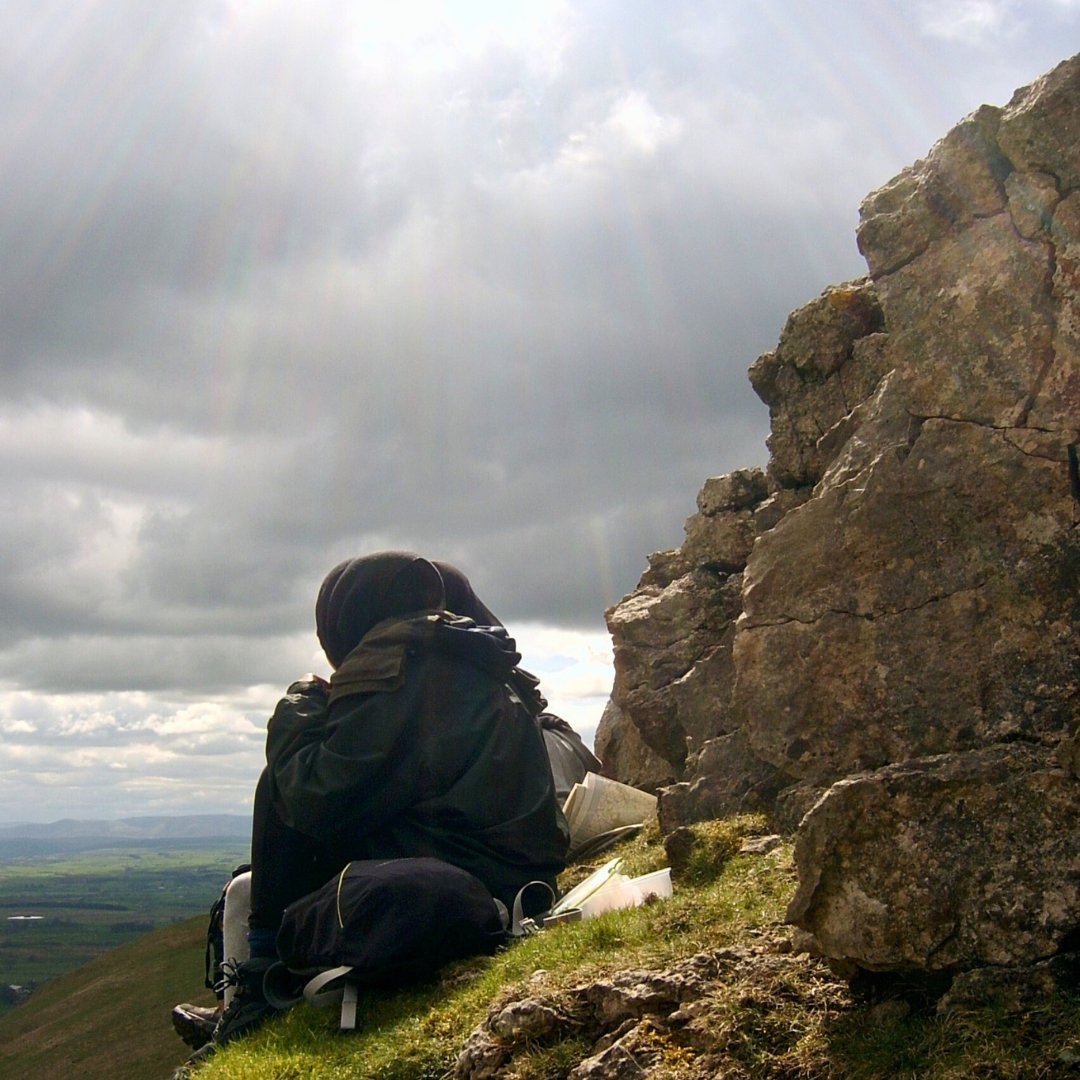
pixel 880 627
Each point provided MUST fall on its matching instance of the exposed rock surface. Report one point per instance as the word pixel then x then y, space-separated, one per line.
pixel 880 628
pixel 649 1023
pixel 941 863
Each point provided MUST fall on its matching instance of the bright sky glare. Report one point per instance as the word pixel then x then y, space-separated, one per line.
pixel 287 283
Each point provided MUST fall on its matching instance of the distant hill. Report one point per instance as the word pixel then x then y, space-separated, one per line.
pixel 70 835
pixel 109 1019
pixel 192 826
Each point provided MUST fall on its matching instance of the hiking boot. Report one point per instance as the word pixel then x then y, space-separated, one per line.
pixel 195 1023
pixel 249 1007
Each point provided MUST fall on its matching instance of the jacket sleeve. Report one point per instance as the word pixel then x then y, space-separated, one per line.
pixel 346 765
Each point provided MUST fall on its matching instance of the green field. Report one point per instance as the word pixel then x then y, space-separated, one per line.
pixel 93 901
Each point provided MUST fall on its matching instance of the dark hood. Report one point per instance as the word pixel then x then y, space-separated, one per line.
pixel 378 663
pixel 460 598
pixel 360 593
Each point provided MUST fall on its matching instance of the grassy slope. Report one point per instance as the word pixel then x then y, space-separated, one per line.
pixel 96 900
pixel 109 1020
pixel 788 1019
pixel 785 1019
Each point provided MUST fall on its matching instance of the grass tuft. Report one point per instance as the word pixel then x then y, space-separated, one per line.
pixel 699 852
pixel 767 1014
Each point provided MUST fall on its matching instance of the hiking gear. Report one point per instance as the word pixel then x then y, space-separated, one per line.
pixel 421 749
pixel 194 1023
pixel 333 987
pixel 460 599
pixel 215 934
pixel 283 988
pixel 377 664
pixel 392 921
pixel 235 926
pixel 249 1007
pixel 570 759
pixel 358 593
pixel 381 922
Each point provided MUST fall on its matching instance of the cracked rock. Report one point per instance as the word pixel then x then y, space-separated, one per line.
pixel 915 867
pixel 902 583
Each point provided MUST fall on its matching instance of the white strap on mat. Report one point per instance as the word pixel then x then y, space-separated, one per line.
pixel 330 987
pixel 520 925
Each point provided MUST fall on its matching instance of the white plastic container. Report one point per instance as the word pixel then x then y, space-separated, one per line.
pixel 657 884
pixel 616 892
pixel 577 896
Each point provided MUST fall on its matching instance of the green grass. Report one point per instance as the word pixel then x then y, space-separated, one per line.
pixel 769 1014
pixel 787 1017
pixel 108 1020
pixel 417 1034
pixel 93 901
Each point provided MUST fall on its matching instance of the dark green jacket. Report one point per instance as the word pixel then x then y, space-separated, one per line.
pixel 421 747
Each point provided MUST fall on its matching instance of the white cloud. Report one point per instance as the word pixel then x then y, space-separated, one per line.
pixel 631 127
pixel 574 668
pixel 967 20
pixel 283 284
pixel 85 755
pixel 111 754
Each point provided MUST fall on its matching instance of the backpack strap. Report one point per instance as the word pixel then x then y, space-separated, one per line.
pixel 213 956
pixel 331 986
pixel 520 924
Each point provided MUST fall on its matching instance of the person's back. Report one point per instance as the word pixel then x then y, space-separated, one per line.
pixel 423 743
pixel 423 750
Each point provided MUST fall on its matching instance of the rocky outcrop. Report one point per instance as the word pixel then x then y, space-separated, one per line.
pixel 675 636
pixel 641 1023
pixel 879 630
pixel 941 863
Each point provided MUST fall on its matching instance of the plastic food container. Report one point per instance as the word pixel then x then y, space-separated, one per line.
pixel 616 892
pixel 657 884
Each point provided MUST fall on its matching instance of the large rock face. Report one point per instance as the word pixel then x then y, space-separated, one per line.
pixel 881 628
pixel 942 863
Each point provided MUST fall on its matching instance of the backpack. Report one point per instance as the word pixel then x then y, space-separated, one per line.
pixel 215 935
pixel 388 922
pixel 569 757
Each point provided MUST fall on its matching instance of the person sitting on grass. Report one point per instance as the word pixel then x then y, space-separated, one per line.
pixel 424 742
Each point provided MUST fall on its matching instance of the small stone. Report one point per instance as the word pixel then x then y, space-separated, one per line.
pixel 760 845
pixel 525 1020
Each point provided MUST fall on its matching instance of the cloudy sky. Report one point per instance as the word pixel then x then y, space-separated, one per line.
pixel 284 283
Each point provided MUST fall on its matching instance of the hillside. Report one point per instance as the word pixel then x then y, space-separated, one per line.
pixel 69 835
pixel 59 910
pixel 704 985
pixel 109 1020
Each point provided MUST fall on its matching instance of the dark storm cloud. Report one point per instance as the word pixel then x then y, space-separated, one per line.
pixel 282 284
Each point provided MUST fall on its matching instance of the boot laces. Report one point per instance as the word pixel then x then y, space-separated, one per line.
pixel 231 975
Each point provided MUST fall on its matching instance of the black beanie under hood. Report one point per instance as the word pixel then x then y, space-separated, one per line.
pixel 359 593
pixel 460 598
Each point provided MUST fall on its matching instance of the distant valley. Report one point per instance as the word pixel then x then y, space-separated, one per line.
pixel 72 836
pixel 71 890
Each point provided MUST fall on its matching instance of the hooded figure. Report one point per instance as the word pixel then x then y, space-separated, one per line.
pixel 570 759
pixel 420 747
pixel 360 593
pixel 460 598
pixel 425 742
